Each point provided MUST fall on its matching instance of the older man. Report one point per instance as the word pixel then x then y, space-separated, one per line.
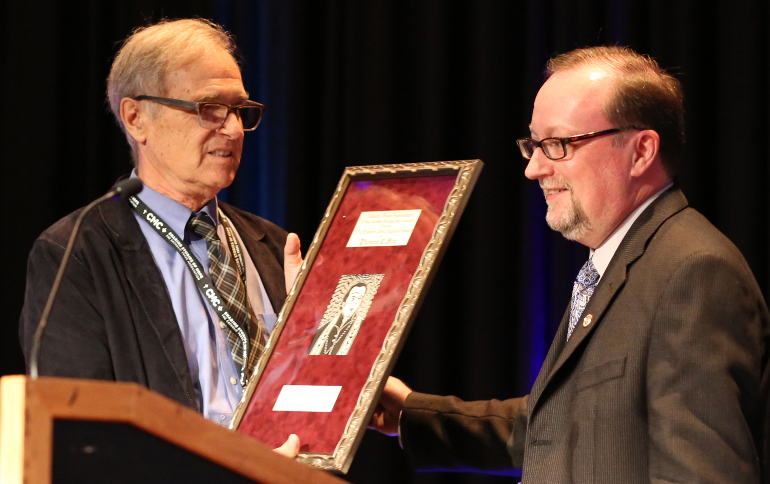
pixel 129 307
pixel 658 370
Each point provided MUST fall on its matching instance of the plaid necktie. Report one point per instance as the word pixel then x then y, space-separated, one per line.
pixel 232 289
pixel 582 291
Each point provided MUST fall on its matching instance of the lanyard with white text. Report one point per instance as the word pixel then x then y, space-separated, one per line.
pixel 202 280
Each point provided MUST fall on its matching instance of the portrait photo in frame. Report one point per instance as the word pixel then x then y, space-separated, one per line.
pixel 347 315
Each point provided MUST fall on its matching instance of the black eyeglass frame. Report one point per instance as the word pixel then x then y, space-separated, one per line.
pixel 196 106
pixel 522 142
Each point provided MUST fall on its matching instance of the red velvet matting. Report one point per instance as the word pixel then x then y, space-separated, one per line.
pixel 291 365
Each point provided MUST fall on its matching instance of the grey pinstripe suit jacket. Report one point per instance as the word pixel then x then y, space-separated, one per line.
pixel 666 383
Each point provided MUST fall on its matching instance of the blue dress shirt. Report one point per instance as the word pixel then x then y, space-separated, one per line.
pixel 214 373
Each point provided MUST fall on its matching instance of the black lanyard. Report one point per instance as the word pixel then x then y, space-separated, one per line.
pixel 202 280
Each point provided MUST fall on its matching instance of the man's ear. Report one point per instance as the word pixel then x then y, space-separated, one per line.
pixel 646 148
pixel 134 118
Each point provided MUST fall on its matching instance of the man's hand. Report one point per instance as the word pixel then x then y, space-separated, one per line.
pixel 290 448
pixel 388 411
pixel 292 260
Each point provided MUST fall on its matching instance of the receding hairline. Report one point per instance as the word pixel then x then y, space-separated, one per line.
pixel 616 59
pixel 151 52
pixel 615 73
pixel 620 64
pixel 606 86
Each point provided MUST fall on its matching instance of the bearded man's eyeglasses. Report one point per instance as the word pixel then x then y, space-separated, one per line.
pixel 214 115
pixel 556 148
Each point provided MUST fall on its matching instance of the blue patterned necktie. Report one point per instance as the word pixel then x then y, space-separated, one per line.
pixel 582 290
pixel 230 285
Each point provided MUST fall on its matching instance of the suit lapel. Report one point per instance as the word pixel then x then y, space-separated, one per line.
pixel 271 274
pixel 630 249
pixel 146 282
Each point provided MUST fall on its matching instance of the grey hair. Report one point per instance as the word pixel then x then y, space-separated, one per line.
pixel 149 53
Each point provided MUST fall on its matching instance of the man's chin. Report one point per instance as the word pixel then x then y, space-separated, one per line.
pixel 221 176
pixel 570 227
pixel 557 221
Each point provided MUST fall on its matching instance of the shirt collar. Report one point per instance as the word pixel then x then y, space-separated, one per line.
pixel 172 212
pixel 603 254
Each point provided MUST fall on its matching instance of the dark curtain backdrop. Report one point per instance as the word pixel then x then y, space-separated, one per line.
pixel 360 82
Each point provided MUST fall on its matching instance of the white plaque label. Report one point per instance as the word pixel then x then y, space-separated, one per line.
pixel 306 398
pixel 384 229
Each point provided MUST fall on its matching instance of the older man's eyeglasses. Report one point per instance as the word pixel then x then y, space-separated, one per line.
pixel 556 148
pixel 214 115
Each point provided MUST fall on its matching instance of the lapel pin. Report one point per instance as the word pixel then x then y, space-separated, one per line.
pixel 587 320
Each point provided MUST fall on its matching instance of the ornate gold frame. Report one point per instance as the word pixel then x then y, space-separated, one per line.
pixel 467 173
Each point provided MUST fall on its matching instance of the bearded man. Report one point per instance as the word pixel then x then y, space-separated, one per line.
pixel 658 371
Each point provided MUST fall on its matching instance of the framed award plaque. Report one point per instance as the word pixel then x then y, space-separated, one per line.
pixel 351 306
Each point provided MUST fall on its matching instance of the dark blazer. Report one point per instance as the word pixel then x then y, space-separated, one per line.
pixel 664 382
pixel 113 318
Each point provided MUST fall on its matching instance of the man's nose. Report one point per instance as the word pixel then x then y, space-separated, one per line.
pixel 539 165
pixel 233 125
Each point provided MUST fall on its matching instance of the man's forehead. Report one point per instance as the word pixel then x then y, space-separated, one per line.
pixel 216 92
pixel 572 99
pixel 211 77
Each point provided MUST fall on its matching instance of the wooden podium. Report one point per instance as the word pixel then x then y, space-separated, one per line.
pixel 59 430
